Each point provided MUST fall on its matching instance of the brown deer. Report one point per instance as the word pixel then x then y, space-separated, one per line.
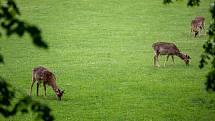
pixel 169 49
pixel 42 74
pixel 197 24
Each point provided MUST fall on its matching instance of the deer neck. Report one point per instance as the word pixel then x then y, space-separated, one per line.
pixel 181 55
pixel 54 86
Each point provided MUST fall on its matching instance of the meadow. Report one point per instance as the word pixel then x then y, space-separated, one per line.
pixel 101 53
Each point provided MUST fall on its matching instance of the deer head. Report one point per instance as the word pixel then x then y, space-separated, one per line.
pixel 186 59
pixel 59 93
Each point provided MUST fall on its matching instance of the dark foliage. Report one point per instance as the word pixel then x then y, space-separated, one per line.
pixel 23 105
pixel 1 59
pixel 193 2
pixel 208 55
pixel 6 95
pixel 167 1
pixel 189 2
pixel 12 25
pixel 210 80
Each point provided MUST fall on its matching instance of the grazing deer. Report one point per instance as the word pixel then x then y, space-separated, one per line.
pixel 42 74
pixel 169 49
pixel 197 24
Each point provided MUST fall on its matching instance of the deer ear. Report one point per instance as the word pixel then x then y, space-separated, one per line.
pixel 188 56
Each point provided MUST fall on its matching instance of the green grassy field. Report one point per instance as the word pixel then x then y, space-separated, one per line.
pixel 100 51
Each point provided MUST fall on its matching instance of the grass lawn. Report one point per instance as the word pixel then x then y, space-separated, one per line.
pixel 101 54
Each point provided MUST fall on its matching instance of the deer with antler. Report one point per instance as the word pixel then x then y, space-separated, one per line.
pixel 41 74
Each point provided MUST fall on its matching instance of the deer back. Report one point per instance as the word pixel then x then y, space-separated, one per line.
pixel 165 48
pixel 41 73
pixel 200 18
pixel 196 23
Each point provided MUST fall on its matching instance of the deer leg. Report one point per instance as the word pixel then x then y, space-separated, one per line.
pixel 33 81
pixel 173 59
pixel 156 60
pixel 196 33
pixel 203 25
pixel 38 85
pixel 44 85
pixel 166 60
